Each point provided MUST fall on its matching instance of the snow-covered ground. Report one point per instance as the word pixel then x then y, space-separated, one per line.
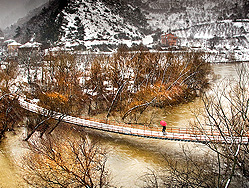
pixel 99 23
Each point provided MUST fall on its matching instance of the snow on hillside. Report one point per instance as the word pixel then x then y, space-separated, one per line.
pixel 104 24
pixel 98 25
pixel 204 25
pixel 186 14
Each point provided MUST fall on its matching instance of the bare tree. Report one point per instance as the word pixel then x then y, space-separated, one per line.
pixel 62 161
pixel 54 105
pixel 224 121
pixel 8 73
pixel 168 79
pixel 10 113
pixel 226 113
pixel 30 58
pixel 186 171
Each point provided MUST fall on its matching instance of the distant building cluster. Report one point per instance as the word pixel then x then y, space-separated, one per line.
pixel 14 49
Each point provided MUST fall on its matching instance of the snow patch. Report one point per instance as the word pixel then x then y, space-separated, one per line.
pixel 147 40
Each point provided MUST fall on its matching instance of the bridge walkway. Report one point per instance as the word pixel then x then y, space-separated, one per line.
pixel 176 134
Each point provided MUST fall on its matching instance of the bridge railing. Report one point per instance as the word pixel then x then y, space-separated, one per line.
pixel 175 133
pixel 179 130
pixel 191 134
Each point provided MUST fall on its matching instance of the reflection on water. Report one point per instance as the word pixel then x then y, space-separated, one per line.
pixel 11 151
pixel 179 116
pixel 129 156
pixel 7 170
pixel 226 71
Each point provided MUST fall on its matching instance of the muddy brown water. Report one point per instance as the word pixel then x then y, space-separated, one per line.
pixel 130 157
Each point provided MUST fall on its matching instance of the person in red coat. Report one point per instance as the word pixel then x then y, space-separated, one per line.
pixel 164 124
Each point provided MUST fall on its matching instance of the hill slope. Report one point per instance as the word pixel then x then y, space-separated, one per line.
pixel 80 21
pixel 221 25
pixel 198 23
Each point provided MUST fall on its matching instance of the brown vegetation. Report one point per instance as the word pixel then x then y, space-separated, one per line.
pixel 138 80
pixel 10 111
pixel 124 84
pixel 61 81
pixel 61 160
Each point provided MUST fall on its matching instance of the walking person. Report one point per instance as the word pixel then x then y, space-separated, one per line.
pixel 164 124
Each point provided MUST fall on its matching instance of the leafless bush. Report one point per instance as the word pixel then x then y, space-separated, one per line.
pixel 226 164
pixel 186 171
pixel 62 161
pixel 10 113
pixel 226 112
pixel 135 81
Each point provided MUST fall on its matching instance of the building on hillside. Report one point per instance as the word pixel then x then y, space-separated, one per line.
pixel 169 40
pixel 9 48
pixel 6 42
pixel 13 48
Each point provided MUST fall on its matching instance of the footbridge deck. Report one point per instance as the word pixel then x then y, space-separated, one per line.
pixel 176 134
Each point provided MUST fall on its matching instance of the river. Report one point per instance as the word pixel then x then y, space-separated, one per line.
pixel 130 157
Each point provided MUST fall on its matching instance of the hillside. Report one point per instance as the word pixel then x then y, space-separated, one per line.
pixel 218 24
pixel 79 22
pixel 199 18
pixel 185 13
pixel 1 33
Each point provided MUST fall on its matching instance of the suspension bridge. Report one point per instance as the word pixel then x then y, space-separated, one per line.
pixel 176 134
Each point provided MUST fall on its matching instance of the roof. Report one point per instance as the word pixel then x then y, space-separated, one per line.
pixel 14 44
pixel 31 45
pixel 169 34
pixel 9 41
